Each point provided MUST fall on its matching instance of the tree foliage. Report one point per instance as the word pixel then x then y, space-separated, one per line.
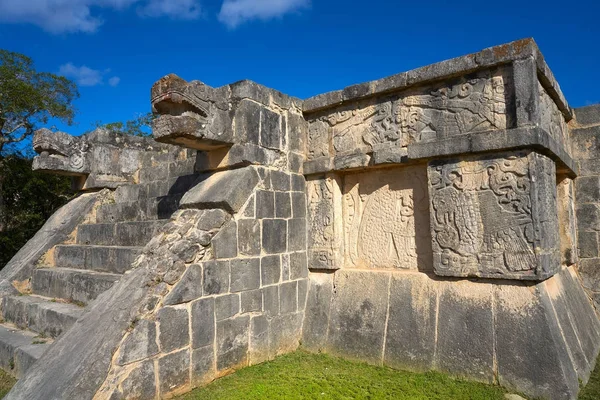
pixel 139 126
pixel 30 198
pixel 29 99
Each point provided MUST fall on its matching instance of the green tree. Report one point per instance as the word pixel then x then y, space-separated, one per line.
pixel 139 126
pixel 30 199
pixel 28 100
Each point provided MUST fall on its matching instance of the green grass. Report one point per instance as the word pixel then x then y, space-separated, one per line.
pixel 591 391
pixel 301 375
pixel 6 383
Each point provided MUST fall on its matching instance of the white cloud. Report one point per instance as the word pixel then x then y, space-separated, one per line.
pixel 84 76
pixel 235 12
pixel 176 9
pixel 114 81
pixel 67 16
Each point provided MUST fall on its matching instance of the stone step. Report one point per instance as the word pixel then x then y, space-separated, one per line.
pixel 136 233
pixel 20 349
pixel 74 285
pixel 113 259
pixel 155 188
pixel 39 314
pixel 142 210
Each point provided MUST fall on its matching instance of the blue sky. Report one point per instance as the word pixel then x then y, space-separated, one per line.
pixel 116 49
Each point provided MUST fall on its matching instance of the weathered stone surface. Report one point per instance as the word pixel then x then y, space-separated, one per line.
pixel 232 343
pixel 140 384
pixel 248 237
pixel 203 365
pixel 227 306
pixel 270 270
pixel 225 243
pixel 259 340
pixel 588 115
pixel 265 204
pixel 283 205
pixel 358 314
pixel 251 301
pixel 140 344
pixel 174 328
pixel 412 322
pixel 491 197
pixel 274 235
pixel 318 305
pixel 271 300
pixel 298 266
pixel 228 190
pixel 203 322
pixel 174 371
pixel 245 274
pixel 288 297
pixel 465 340
pixel 588 244
pixel 216 277
pixel 188 288
pixel 284 333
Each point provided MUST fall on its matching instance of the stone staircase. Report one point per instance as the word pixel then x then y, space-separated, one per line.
pixel 78 273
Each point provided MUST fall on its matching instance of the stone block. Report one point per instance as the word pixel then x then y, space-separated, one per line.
pixel 259 339
pixel 274 235
pixel 216 277
pixel 295 162
pixel 271 300
pixel 588 115
pixel 140 383
pixel 522 324
pixel 284 333
pixel 411 328
pixel 228 190
pixel 298 205
pixel 297 132
pixel 247 122
pixel 588 244
pixel 265 204
pixel 588 217
pixel 589 167
pixel 225 243
pixel 298 266
pixel 283 205
pixel 270 270
pixel 589 271
pixel 212 219
pixel 188 288
pixel 251 301
pixel 227 306
pixel 203 365
pixel 586 142
pixel 248 237
pixel 465 341
pixel 203 322
pixel 174 371
pixel 298 183
pixel 507 237
pixel 285 267
pixel 280 181
pixel 288 297
pixel 351 161
pixel 139 344
pixel 318 306
pixel 302 292
pixel 587 189
pixel 245 274
pixel 321 101
pixel 358 315
pixel 270 129
pixel 250 208
pixel 174 328
pixel 297 234
pixel 232 343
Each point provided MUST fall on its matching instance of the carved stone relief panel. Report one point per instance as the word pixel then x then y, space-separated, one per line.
pixel 324 219
pixel 474 103
pixel 552 120
pixel 494 216
pixel 386 219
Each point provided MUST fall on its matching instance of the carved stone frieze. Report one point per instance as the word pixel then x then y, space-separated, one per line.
pixel 324 220
pixel 552 119
pixel 494 216
pixel 386 219
pixel 473 103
